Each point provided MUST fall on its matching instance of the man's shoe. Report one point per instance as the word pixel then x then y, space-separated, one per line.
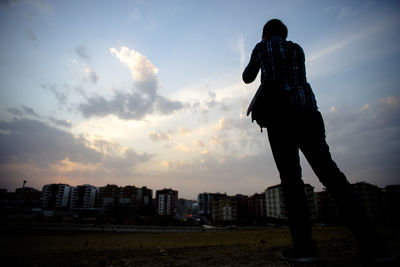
pixel 300 255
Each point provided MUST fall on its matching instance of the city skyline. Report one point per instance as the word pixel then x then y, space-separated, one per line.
pixel 200 192
pixel 150 93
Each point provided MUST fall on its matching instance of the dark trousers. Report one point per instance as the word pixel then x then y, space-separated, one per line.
pixel 303 129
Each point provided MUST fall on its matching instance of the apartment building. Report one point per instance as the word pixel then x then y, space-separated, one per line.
pixel 128 196
pixel 186 208
pixel 223 207
pixel 257 206
pixel 167 202
pixel 370 197
pixel 204 202
pixel 391 204
pixel 327 211
pixel 83 197
pixel 55 195
pixel 275 202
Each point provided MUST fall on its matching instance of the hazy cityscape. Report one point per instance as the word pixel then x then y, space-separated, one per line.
pixel 113 204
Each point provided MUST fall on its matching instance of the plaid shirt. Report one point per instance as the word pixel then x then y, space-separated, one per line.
pixel 282 61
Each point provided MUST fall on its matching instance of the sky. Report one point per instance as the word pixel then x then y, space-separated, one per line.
pixel 149 93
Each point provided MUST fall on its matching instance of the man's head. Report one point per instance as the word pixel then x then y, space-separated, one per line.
pixel 274 28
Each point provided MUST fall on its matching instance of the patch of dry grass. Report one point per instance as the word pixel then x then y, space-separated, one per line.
pixel 69 242
pixel 239 248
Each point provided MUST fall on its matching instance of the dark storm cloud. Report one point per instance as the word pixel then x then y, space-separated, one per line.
pixel 32 141
pixel 36 143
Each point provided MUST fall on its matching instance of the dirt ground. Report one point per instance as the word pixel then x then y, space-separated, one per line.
pixel 230 248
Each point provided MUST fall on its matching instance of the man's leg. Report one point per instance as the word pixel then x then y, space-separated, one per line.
pixel 286 155
pixel 316 151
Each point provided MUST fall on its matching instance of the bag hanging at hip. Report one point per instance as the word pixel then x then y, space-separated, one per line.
pixel 270 100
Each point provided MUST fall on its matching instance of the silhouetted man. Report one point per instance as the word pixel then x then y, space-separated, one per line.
pixel 286 106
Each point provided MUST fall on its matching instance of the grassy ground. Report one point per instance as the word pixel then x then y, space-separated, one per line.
pixel 232 248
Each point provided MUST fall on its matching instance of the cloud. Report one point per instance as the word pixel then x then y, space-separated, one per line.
pixel 141 68
pixel 142 100
pixel 183 148
pixel 32 141
pixel 159 136
pixel 241 51
pixel 81 52
pixel 168 135
pixel 16 111
pixel 126 159
pixel 60 94
pixel 32 146
pixel 64 123
pixel 24 110
pixel 228 124
pixel 125 106
pixel 30 111
pixel 92 75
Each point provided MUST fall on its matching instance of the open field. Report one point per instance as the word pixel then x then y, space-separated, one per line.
pixel 224 248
